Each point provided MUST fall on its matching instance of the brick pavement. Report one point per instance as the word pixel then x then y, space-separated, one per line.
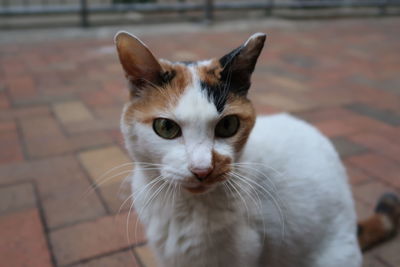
pixel 59 113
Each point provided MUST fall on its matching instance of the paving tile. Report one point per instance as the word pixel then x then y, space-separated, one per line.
pixel 25 112
pixel 323 114
pixel 4 101
pixel 72 111
pixel 22 87
pixel 346 148
pixel 378 166
pixel 389 252
pixel 385 116
pixel 363 210
pixel 378 143
pixel 67 199
pixel 370 192
pixel 108 168
pixel 283 102
pixel 89 140
pixel 44 143
pixel 94 238
pixel 99 161
pixel 356 175
pixel 8 125
pixel 371 260
pixel 146 256
pixel 119 259
pixel 116 195
pixel 363 123
pixel 63 189
pixel 299 60
pixel 98 98
pixel 335 128
pixel 96 125
pixel 22 241
pixel 11 149
pixel 16 197
pixel 391 134
pixel 288 83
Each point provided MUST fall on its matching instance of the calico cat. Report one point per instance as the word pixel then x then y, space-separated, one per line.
pixel 216 186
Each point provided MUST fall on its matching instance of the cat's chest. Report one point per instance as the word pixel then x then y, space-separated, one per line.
pixel 188 226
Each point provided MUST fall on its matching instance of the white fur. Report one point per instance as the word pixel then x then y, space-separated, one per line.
pixel 293 164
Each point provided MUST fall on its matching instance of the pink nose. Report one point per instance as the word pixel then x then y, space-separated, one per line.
pixel 201 174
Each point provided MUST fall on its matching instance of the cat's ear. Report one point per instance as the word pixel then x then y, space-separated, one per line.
pixel 238 65
pixel 139 64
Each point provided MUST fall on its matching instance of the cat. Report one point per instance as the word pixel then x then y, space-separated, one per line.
pixel 214 185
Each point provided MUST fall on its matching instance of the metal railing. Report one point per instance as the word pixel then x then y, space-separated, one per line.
pixel 85 7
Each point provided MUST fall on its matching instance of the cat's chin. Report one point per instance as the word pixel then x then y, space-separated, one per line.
pixel 198 189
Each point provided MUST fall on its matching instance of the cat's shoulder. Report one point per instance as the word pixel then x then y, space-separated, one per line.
pixel 286 124
pixel 284 133
pixel 284 119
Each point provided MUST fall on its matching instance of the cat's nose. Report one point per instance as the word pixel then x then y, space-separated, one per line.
pixel 201 174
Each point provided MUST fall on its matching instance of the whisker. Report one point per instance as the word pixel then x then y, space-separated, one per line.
pixel 137 194
pixel 276 203
pixel 153 196
pixel 241 197
pixel 268 179
pixel 259 202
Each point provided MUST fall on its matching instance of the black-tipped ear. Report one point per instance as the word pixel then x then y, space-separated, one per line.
pixel 239 64
pixel 140 66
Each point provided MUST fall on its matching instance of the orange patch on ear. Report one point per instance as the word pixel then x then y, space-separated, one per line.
pixel 155 99
pixel 210 74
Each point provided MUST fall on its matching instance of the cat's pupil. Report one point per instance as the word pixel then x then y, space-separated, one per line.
pixel 226 123
pixel 168 125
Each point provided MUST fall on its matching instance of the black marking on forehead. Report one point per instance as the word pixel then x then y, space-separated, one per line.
pixel 217 94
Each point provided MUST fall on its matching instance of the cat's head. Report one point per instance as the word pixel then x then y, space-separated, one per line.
pixel 192 118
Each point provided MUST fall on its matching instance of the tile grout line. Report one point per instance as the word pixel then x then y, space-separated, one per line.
pixel 45 226
pixel 130 247
pixel 24 144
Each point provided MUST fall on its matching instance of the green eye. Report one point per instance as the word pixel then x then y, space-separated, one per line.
pixel 227 127
pixel 166 128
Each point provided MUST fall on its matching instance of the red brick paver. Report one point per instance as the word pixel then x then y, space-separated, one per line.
pixel 60 103
pixel 91 239
pixel 22 241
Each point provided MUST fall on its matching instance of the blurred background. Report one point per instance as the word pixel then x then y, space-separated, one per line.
pixel 63 194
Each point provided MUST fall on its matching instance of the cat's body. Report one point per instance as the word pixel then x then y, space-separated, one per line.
pixel 217 228
pixel 216 187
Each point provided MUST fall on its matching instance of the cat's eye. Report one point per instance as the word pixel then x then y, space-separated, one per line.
pixel 227 127
pixel 166 128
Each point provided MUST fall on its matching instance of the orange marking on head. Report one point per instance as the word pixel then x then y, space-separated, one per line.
pixel 210 74
pixel 243 108
pixel 154 99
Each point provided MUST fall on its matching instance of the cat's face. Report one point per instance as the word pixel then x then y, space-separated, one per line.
pixel 191 118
